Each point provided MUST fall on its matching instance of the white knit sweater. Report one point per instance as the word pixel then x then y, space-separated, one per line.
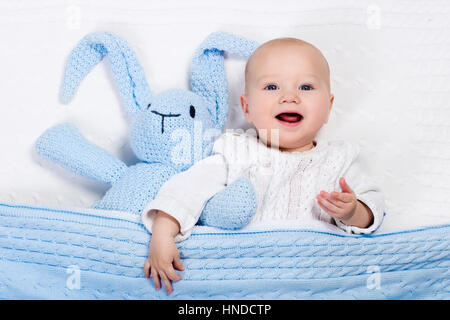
pixel 285 183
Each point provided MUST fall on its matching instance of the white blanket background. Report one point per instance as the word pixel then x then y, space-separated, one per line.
pixel 390 73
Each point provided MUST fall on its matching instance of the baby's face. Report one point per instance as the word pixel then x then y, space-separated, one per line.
pixel 287 89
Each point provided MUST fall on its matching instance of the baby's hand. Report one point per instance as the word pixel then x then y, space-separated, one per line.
pixel 163 257
pixel 339 205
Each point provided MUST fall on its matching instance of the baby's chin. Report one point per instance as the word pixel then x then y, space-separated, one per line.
pixel 283 142
pixel 289 145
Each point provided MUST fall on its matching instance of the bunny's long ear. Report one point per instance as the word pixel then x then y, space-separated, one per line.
pixel 208 78
pixel 127 72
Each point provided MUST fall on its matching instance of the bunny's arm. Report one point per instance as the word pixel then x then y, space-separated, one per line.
pixel 231 208
pixel 65 145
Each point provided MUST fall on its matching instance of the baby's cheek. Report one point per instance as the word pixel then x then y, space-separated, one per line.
pixel 319 116
pixel 316 121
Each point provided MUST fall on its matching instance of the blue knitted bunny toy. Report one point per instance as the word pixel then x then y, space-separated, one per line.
pixel 167 131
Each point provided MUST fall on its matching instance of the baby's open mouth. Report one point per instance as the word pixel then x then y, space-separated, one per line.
pixel 291 117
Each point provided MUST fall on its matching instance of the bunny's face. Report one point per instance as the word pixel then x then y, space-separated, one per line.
pixel 175 128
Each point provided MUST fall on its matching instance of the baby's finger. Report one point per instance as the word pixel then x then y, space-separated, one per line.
pixel 178 264
pixel 147 268
pixel 338 203
pixel 344 197
pixel 172 275
pixel 166 282
pixel 328 206
pixel 344 186
pixel 155 278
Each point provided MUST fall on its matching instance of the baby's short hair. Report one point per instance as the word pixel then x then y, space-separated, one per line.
pixel 278 41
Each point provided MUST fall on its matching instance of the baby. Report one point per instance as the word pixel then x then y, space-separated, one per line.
pixel 287 98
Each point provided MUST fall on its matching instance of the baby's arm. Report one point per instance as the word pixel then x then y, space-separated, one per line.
pixel 175 210
pixel 163 254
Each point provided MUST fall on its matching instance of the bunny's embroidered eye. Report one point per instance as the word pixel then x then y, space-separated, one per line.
pixel 149 105
pixel 192 111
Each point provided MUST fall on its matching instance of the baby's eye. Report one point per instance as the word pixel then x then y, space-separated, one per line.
pixel 271 87
pixel 306 87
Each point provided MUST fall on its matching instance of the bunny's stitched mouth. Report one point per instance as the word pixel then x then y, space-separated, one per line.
pixel 163 116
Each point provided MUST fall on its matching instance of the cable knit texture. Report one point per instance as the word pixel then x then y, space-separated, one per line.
pixel 168 130
pixel 51 253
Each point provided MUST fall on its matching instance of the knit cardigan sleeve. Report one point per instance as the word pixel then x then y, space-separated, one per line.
pixel 185 194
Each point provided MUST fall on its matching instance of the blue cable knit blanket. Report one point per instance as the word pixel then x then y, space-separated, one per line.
pixel 77 253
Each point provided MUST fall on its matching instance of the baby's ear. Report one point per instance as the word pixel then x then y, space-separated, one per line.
pixel 244 105
pixel 331 106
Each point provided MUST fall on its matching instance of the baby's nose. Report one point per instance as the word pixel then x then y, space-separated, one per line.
pixel 289 97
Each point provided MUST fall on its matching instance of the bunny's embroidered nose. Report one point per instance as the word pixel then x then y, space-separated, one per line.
pixel 163 116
